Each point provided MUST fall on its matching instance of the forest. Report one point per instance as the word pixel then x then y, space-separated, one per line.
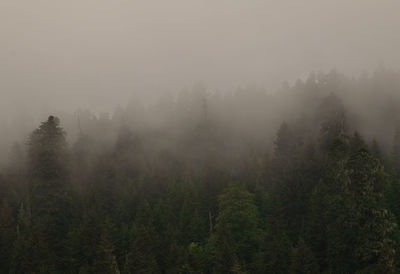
pixel 302 180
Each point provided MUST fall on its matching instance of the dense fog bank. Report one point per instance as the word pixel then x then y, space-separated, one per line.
pixel 113 161
pixel 303 180
pixel 246 119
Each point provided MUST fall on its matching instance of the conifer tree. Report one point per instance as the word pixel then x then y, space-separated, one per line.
pixel 332 120
pixel 105 261
pixel 141 258
pixel 396 152
pixel 237 226
pixel 303 260
pixel 48 176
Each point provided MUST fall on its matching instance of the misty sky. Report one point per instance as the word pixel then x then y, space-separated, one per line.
pixel 96 54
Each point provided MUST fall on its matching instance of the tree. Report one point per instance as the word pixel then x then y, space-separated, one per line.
pixel 318 222
pixel 356 142
pixel 285 147
pixel 375 149
pixel 358 232
pixel 50 203
pixel 47 154
pixel 7 234
pixel 331 116
pixel 276 246
pixel 105 261
pixel 141 258
pixel 303 260
pixel 367 181
pixel 237 227
pixel 396 152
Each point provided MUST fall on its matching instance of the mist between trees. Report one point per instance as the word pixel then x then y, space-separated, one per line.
pixel 303 180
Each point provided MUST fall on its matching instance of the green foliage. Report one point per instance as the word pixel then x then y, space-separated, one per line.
pixel 141 258
pixel 322 202
pixel 237 227
pixel 396 152
pixel 303 260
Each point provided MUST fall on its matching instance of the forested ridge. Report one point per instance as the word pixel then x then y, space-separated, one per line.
pixel 306 180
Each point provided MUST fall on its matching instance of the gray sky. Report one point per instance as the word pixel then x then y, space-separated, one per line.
pixel 96 53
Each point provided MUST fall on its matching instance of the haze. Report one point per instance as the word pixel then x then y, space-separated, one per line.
pixel 98 54
pixel 208 136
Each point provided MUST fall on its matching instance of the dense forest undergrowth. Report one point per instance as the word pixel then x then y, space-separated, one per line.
pixel 302 181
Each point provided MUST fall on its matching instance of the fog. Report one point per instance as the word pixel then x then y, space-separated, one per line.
pixel 62 56
pixel 199 136
pixel 97 54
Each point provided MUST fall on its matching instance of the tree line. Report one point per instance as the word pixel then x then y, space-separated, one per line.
pixel 202 198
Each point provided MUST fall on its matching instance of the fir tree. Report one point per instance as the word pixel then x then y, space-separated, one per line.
pixel 303 260
pixel 141 258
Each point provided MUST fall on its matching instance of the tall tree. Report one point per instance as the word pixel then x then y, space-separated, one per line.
pixel 141 259
pixel 332 120
pixel 237 228
pixel 396 152
pixel 358 233
pixel 50 202
pixel 303 260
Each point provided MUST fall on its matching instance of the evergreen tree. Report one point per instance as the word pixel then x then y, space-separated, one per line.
pixel 396 152
pixel 358 226
pixel 318 222
pixel 276 246
pixel 141 258
pixel 7 235
pixel 356 142
pixel 285 148
pixel 237 227
pixel 302 259
pixel 105 261
pixel 367 180
pixel 331 116
pixel 48 172
pixel 375 149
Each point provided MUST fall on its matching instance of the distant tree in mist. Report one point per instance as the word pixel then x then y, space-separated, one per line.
pixel 48 198
pixel 149 188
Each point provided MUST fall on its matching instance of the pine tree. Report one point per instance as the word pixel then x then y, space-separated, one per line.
pixel 105 261
pixel 277 253
pixel 331 115
pixel 396 152
pixel 356 142
pixel 285 148
pixel 237 227
pixel 141 258
pixel 375 224
pixel 375 149
pixel 359 226
pixel 303 260
pixel 50 203
pixel 7 234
